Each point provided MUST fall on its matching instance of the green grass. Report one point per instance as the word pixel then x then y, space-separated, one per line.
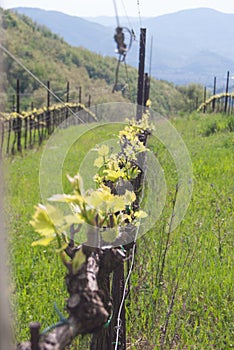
pixel 199 258
pixel 185 302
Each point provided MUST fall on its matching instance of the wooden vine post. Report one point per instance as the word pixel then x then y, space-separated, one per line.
pixel 141 72
pixel 226 96
pixel 214 92
pixel 19 120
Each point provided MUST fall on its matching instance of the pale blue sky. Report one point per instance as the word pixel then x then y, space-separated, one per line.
pixel 152 8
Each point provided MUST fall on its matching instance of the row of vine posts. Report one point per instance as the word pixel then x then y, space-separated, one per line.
pixel 218 102
pixel 102 270
pixel 26 129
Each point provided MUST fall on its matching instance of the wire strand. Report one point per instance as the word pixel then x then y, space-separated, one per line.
pixel 151 54
pixel 119 321
pixel 116 13
pixel 128 81
pixel 139 13
pixel 126 14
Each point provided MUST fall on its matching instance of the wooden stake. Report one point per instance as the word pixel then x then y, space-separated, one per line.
pixel 141 68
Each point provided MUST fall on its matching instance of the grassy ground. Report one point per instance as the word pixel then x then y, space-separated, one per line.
pixel 182 295
pixel 186 302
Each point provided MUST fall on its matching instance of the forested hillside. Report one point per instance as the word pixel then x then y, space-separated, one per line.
pixel 49 57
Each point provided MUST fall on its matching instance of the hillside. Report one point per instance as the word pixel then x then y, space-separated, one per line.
pixel 179 41
pixel 49 57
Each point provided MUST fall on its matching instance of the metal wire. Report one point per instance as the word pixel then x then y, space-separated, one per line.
pixel 119 321
pixel 126 14
pixel 116 13
pixel 139 13
pixel 128 82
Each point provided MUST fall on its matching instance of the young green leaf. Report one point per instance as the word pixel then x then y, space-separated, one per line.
pixel 103 151
pixel 67 198
pixel 76 182
pixel 140 214
pixel 42 222
pixel 44 241
pixel 99 162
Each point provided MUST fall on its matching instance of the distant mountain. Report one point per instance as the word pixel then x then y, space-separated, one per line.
pixel 76 31
pixel 188 46
pixel 193 44
pixel 111 21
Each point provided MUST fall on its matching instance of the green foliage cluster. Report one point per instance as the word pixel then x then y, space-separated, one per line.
pixel 49 57
pixel 105 208
pixel 181 288
pixel 219 123
pixel 193 94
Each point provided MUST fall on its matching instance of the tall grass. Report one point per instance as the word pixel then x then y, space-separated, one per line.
pixel 190 304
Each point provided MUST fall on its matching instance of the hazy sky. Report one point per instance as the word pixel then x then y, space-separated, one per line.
pixel 152 8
